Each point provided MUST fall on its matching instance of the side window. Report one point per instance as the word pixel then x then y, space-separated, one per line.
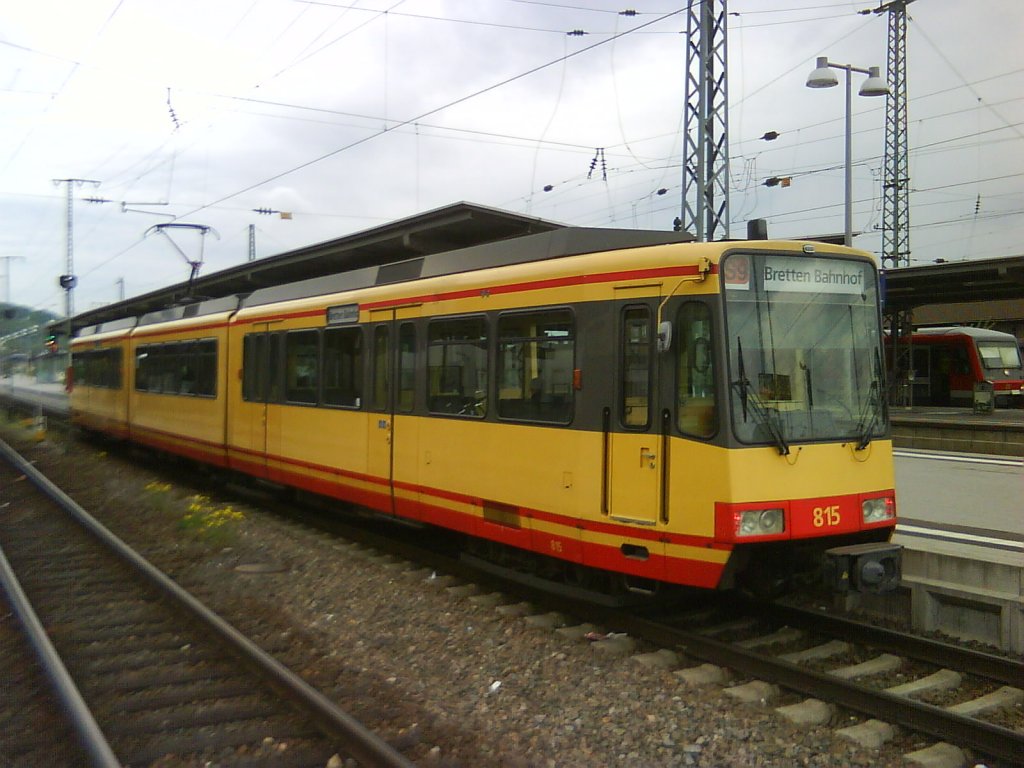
pixel 254 351
pixel 112 368
pixel 98 368
pixel 301 366
pixel 343 367
pixel 457 366
pixel 696 408
pixel 406 368
pixel 172 366
pixel 143 369
pixel 204 358
pixel 261 355
pixel 179 368
pixel 381 349
pixel 186 368
pixel 536 352
pixel 636 367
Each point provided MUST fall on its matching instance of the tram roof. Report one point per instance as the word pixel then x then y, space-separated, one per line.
pixel 452 227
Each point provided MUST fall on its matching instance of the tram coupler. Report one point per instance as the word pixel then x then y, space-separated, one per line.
pixel 872 568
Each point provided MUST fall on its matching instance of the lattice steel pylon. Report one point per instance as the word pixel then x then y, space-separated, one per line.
pixel 705 207
pixel 896 199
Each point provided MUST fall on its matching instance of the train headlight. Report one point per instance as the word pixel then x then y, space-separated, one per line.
pixel 759 522
pixel 878 510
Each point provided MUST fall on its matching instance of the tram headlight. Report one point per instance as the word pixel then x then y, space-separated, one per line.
pixel 878 510
pixel 760 522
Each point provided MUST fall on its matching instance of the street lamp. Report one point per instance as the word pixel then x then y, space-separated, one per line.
pixel 824 77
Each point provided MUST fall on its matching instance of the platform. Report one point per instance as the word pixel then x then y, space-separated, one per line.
pixel 965 582
pixel 999 432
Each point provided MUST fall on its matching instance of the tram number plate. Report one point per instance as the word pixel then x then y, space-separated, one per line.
pixel 826 517
pixel 820 517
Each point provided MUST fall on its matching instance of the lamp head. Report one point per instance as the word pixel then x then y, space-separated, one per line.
pixel 823 75
pixel 874 85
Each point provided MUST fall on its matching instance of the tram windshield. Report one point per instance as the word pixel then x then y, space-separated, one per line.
pixel 804 349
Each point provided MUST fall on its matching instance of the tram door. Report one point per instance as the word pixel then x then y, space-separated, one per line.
pixel 634 465
pixel 260 388
pixel 380 432
pixel 392 440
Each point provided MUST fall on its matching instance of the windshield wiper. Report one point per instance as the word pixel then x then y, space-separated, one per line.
pixel 865 425
pixel 762 415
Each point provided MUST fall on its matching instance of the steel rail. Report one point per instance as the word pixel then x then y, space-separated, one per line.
pixel 1006 670
pixel 77 711
pixel 362 744
pixel 986 738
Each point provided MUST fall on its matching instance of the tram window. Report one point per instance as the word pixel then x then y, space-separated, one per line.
pixel 457 366
pixel 141 370
pixel 254 352
pixel 204 360
pixel 696 409
pixel 301 366
pixel 98 368
pixel 636 367
pixel 381 384
pixel 535 365
pixel 406 367
pixel 343 367
pixel 178 368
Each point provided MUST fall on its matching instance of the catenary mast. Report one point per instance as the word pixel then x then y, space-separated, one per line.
pixel 705 208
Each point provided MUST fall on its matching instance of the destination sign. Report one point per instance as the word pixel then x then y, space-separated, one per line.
pixel 343 314
pixel 798 275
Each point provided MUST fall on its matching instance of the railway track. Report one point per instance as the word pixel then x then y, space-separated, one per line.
pixel 786 653
pixel 144 674
pixel 818 668
pixel 955 695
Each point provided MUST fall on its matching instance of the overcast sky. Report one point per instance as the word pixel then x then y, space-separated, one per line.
pixel 353 114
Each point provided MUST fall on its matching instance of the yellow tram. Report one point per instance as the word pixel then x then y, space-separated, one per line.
pixel 705 414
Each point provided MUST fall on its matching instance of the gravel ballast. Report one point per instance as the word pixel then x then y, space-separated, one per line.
pixel 450 680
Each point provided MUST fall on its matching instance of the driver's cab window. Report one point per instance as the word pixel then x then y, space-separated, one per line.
pixel 696 408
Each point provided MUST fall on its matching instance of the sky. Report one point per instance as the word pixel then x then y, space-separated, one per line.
pixel 351 114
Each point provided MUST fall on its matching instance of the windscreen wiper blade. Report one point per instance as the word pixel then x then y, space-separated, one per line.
pixel 761 413
pixel 866 426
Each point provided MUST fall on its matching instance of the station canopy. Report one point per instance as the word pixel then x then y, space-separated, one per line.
pixel 954 282
pixel 465 225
